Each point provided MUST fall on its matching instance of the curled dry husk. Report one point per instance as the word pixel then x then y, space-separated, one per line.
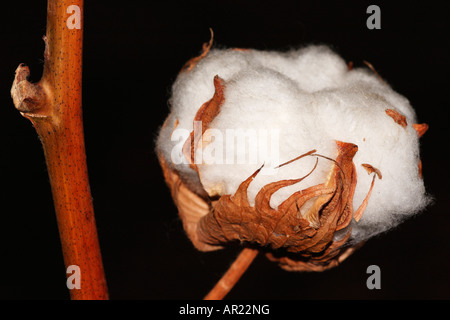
pixel 313 241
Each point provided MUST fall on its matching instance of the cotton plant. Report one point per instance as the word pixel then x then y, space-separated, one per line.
pixel 296 154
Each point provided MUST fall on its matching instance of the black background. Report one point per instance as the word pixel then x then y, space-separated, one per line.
pixel 133 51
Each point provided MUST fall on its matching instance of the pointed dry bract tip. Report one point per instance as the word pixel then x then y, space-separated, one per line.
pixel 421 128
pixel 371 169
pixel 205 49
pixel 350 66
pixel 371 67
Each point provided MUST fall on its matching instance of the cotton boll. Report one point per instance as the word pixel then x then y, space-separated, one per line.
pixel 310 99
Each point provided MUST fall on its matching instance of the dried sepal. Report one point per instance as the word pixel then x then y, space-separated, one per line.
pixel 350 66
pixel 420 128
pixel 370 169
pixel 371 67
pixel 205 49
pixel 191 206
pixel 420 168
pixel 207 112
pixel 398 118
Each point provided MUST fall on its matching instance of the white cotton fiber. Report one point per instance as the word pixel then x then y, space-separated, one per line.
pixel 305 99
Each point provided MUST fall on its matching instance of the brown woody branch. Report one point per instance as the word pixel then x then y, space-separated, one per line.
pixel 53 105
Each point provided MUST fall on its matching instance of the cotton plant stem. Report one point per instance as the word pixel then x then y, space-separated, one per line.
pixel 233 274
pixel 53 105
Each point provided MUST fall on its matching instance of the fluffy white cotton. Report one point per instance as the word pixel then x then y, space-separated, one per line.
pixel 303 99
